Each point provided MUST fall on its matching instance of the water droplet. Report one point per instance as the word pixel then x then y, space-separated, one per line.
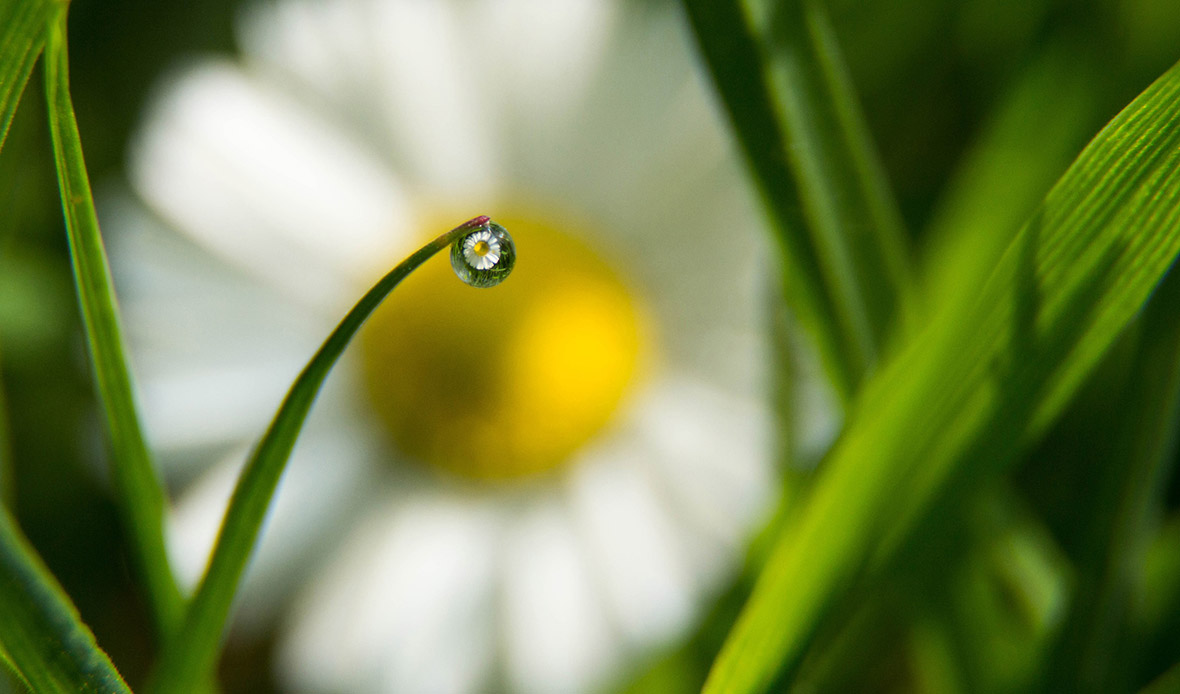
pixel 485 256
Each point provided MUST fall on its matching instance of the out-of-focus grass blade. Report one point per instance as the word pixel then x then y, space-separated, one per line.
pixel 789 97
pixel 22 34
pixel 985 375
pixel 190 657
pixel 1022 150
pixel 1004 584
pixel 1155 607
pixel 140 495
pixel 1141 454
pixel 40 629
pixel 936 670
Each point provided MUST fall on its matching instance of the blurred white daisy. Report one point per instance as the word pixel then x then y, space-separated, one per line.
pixel 521 488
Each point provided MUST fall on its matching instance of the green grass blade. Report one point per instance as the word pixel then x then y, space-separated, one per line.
pixel 191 657
pixel 982 378
pixel 141 497
pixel 791 103
pixel 22 35
pixel 1022 150
pixel 40 630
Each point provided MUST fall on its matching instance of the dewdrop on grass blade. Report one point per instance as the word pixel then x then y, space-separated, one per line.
pixel 485 256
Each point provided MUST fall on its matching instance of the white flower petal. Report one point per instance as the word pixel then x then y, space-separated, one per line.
pixel 326 466
pixel 320 46
pixel 623 122
pixel 714 454
pixel 406 607
pixel 557 637
pixel 632 544
pixel 434 106
pixel 196 517
pixel 188 410
pixel 538 58
pixel 403 74
pixel 325 53
pixel 214 349
pixel 281 192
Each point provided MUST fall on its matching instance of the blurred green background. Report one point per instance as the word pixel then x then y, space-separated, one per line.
pixel 941 82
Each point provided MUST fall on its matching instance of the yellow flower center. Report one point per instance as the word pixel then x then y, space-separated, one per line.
pixel 510 381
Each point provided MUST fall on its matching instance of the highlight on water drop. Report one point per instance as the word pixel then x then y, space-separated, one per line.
pixel 484 256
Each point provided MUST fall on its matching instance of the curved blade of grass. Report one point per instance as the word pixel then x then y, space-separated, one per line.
pixel 22 35
pixel 794 113
pixel 191 657
pixel 141 497
pixel 984 376
pixel 40 630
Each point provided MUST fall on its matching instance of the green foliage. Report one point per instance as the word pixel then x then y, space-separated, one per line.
pixel 788 95
pixel 40 630
pixel 22 34
pixel 1122 505
pixel 988 372
pixel 142 496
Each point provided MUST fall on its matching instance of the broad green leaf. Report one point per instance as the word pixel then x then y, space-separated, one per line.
pixel 40 630
pixel 141 497
pixel 985 375
pixel 783 83
pixel 22 34
pixel 1131 492
pixel 190 657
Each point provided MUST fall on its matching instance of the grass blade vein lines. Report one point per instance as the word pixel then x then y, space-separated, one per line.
pixel 984 376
